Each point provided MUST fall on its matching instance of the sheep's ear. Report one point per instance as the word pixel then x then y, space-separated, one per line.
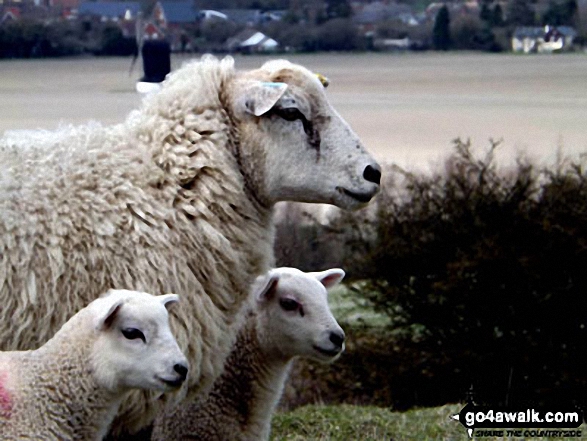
pixel 260 96
pixel 265 287
pixel 107 316
pixel 168 299
pixel 330 277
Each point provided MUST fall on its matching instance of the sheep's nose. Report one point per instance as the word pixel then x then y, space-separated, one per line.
pixel 337 338
pixel 372 174
pixel 182 370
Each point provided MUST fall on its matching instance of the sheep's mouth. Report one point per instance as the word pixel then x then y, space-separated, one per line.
pixel 175 383
pixel 361 197
pixel 327 352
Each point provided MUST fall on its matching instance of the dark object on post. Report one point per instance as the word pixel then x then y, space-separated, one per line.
pixel 156 60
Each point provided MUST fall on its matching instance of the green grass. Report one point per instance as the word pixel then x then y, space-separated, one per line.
pixel 367 423
pixel 350 308
pixel 347 422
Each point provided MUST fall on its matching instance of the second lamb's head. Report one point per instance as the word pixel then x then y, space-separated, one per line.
pixel 134 346
pixel 294 316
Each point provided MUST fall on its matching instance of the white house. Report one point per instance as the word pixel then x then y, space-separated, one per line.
pixel 543 39
pixel 250 41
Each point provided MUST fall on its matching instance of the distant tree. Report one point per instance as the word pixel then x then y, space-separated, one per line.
pixel 464 30
pixel 291 17
pixel 562 13
pixel 338 9
pixel 469 32
pixel 217 31
pixel 113 42
pixel 520 13
pixel 486 13
pixel 392 29
pixel 441 32
pixel 23 39
pixel 497 16
pixel 338 34
pixel 300 37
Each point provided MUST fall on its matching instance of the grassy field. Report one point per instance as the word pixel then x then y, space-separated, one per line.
pixel 346 422
pixel 406 108
pixel 363 423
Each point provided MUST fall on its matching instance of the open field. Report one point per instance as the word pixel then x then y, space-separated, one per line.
pixel 406 107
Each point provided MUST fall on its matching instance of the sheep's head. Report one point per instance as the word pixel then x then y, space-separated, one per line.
pixel 134 347
pixel 294 314
pixel 297 147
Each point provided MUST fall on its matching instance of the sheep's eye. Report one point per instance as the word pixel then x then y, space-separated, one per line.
pixel 133 333
pixel 290 114
pixel 288 304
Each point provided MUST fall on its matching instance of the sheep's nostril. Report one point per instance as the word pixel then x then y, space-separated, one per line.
pixel 372 174
pixel 181 369
pixel 337 339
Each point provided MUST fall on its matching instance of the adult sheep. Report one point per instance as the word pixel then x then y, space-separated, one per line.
pixel 178 198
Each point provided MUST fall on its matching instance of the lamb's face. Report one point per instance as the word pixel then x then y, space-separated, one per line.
pixel 306 152
pixel 294 308
pixel 134 346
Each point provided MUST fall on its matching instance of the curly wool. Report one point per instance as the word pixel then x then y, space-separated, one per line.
pixel 155 204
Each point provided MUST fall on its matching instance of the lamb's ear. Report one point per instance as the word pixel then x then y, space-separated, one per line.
pixel 168 299
pixel 106 316
pixel 260 96
pixel 330 277
pixel 265 287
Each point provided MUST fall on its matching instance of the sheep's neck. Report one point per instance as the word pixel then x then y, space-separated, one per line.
pixel 255 391
pixel 64 383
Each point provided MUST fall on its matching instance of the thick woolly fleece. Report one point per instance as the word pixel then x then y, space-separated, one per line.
pixel 50 393
pixel 240 406
pixel 156 204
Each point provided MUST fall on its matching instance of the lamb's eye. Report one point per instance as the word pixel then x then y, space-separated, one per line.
pixel 133 333
pixel 288 304
pixel 290 114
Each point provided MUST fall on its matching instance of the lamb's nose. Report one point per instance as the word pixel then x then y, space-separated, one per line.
pixel 372 174
pixel 337 338
pixel 181 369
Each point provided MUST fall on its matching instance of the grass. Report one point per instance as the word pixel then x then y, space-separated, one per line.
pixel 367 423
pixel 349 308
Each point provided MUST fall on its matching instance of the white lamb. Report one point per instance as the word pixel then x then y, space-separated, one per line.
pixel 290 318
pixel 178 198
pixel 71 387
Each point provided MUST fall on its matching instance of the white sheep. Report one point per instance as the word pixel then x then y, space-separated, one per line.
pixel 290 318
pixel 71 387
pixel 178 198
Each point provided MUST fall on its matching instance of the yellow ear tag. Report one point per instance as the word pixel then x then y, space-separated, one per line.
pixel 325 81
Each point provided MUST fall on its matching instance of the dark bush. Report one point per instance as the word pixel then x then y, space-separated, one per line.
pixel 482 273
pixel 113 42
pixel 22 39
pixel 492 265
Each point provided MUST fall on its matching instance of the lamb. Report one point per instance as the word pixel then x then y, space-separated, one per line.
pixel 71 387
pixel 289 318
pixel 177 198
